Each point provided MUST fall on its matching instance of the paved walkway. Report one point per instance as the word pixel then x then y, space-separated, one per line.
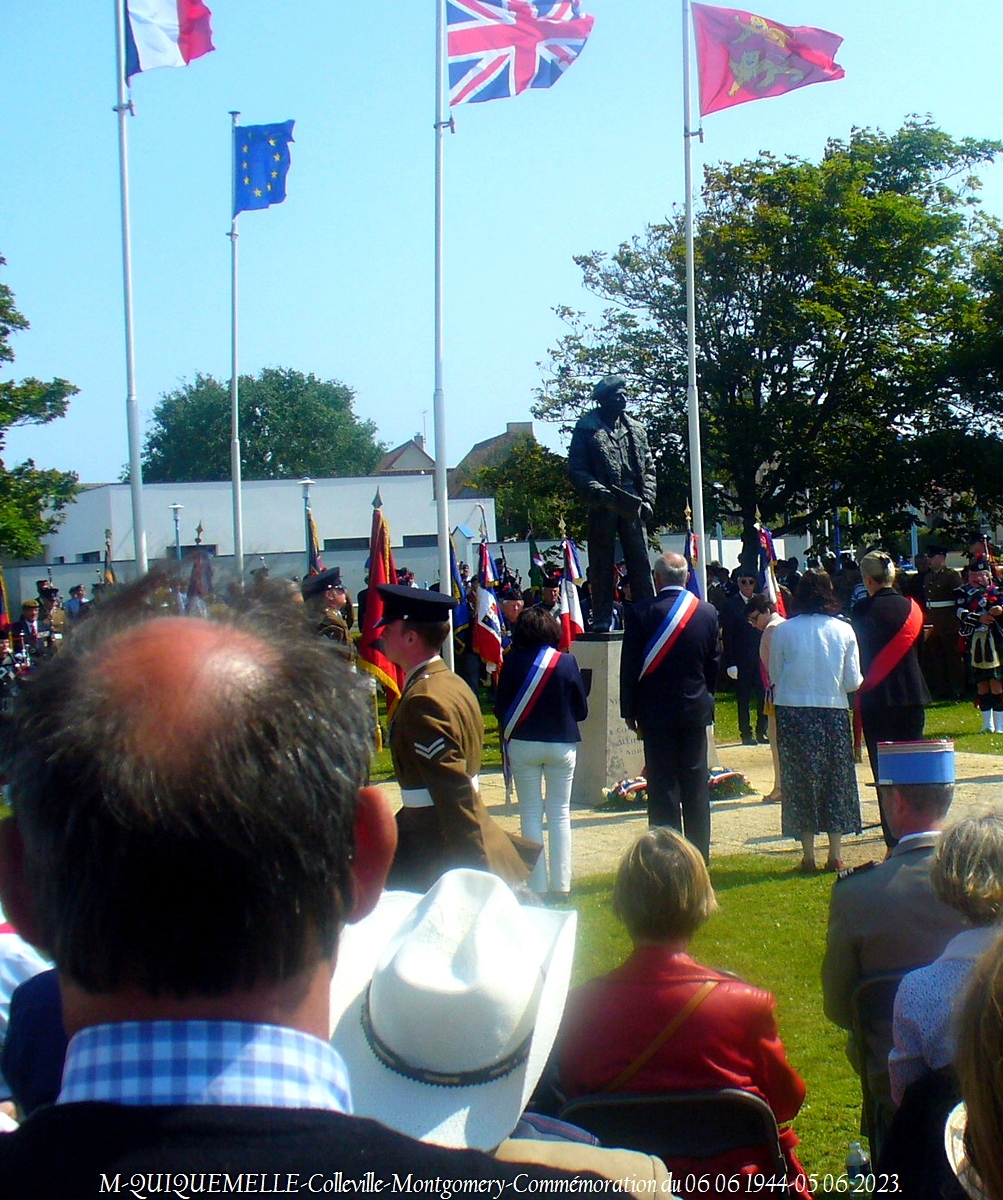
pixel 746 825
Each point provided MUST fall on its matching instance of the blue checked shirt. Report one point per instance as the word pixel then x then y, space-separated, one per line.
pixel 204 1062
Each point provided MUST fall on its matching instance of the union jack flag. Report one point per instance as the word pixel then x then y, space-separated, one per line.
pixel 499 48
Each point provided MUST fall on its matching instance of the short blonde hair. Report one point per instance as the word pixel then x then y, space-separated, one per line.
pixel 967 871
pixel 662 889
pixel 878 566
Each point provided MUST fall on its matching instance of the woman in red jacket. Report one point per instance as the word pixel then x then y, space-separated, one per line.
pixel 725 1030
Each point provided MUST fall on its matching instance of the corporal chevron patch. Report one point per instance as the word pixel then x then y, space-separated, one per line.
pixel 430 751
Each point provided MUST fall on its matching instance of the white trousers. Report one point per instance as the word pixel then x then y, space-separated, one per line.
pixel 553 763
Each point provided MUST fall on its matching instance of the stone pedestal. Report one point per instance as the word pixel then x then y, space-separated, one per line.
pixel 608 751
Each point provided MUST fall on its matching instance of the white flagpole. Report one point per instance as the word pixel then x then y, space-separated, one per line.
pixel 238 512
pixel 692 398
pixel 439 399
pixel 124 109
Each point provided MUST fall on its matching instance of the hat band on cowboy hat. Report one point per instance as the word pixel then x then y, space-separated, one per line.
pixel 504 1066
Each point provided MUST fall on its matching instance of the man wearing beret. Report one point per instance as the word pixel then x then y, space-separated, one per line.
pixel 436 737
pixel 612 470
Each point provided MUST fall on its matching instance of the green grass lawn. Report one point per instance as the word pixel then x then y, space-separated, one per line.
pixel 770 930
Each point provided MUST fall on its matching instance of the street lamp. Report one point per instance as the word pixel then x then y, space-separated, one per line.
pixel 176 510
pixel 306 483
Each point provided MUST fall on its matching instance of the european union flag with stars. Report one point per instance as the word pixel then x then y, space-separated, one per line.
pixel 262 163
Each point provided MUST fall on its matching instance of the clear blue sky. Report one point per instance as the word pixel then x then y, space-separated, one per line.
pixel 338 280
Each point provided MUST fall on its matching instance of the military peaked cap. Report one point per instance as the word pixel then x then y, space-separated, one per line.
pixel 413 604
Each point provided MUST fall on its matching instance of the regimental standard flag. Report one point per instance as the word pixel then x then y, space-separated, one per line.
pixel 165 33
pixel 744 57
pixel 4 605
pixel 487 631
pixel 499 48
pixel 767 573
pixel 692 562
pixel 537 566
pixel 314 563
pixel 461 613
pixel 381 570
pixel 109 570
pixel 261 160
pixel 200 580
pixel 572 623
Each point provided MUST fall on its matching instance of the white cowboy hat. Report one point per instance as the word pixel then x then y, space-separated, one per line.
pixel 954 1145
pixel 445 1008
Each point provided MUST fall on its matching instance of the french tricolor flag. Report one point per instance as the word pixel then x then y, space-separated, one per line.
pixel 165 33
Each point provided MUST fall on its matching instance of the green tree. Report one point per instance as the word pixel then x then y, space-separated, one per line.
pixel 831 302
pixel 291 424
pixel 31 501
pixel 533 494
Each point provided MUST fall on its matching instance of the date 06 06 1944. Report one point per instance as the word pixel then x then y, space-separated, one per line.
pixel 759 1185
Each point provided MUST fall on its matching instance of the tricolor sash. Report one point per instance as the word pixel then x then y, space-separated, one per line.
pixel 886 660
pixel 532 688
pixel 667 634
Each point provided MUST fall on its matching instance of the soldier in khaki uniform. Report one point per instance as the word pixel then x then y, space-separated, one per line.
pixel 884 917
pixel 436 738
pixel 328 604
pixel 945 666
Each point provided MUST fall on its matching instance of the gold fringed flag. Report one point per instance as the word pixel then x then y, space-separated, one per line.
pixel 381 570
pixel 744 57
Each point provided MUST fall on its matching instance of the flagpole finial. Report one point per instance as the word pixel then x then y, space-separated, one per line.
pixel 377 500
pixel 198 534
pixel 759 516
pixel 689 515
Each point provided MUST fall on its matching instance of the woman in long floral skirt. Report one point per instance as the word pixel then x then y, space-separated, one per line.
pixel 814 664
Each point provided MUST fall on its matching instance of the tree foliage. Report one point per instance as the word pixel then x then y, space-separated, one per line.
pixel 533 495
pixel 834 301
pixel 31 500
pixel 291 424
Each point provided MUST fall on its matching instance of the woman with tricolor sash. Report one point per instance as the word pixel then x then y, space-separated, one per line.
pixel 540 700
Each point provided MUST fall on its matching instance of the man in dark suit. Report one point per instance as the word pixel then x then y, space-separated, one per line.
pixel 667 673
pixel 192 831
pixel 741 659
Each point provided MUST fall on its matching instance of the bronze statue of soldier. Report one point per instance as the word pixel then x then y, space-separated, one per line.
pixel 612 468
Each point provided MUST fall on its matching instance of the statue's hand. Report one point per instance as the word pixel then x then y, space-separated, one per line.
pixel 647 512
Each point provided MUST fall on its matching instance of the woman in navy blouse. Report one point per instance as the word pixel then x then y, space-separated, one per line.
pixel 540 700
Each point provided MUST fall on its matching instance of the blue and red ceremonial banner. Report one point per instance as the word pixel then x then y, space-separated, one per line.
pixel 487 633
pixel 499 48
pixel 767 573
pixel 461 613
pixel 692 561
pixel 572 622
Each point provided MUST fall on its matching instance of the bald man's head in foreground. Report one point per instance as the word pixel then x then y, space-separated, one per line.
pixel 190 812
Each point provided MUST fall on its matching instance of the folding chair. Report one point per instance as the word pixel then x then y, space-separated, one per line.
pixel 871 1007
pixel 681 1124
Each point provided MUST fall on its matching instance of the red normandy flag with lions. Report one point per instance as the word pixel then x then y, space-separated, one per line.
pixel 745 57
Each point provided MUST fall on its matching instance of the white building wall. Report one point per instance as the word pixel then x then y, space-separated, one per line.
pixel 273 515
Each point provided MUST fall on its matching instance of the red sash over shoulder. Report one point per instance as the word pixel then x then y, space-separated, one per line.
pixel 886 660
